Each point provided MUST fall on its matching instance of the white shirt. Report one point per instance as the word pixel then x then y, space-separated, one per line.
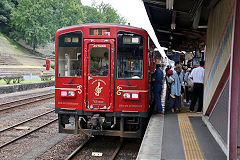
pixel 197 75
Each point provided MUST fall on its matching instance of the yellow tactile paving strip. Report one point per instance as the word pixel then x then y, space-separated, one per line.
pixel 191 146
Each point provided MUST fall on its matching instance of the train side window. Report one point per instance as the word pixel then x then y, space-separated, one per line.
pixel 130 54
pixel 70 55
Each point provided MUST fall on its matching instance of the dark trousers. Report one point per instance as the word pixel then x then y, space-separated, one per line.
pixel 188 94
pixel 175 102
pixel 157 98
pixel 197 95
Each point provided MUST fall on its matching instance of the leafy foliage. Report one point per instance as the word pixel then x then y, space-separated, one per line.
pixel 6 8
pixel 33 21
pixel 46 77
pixel 36 21
pixel 16 78
pixel 67 13
pixel 102 13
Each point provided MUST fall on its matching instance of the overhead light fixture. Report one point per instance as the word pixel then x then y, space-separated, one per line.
pixel 173 24
pixel 169 4
pixel 203 27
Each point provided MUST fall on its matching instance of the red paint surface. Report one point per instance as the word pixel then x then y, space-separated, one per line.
pixel 110 95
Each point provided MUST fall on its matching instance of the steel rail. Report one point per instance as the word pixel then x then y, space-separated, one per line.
pixel 29 102
pixel 115 153
pixel 87 140
pixel 78 149
pixel 7 128
pixel 7 143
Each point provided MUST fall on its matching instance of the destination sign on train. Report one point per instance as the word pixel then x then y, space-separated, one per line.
pixel 100 31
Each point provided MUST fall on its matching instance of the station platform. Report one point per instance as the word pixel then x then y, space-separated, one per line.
pixel 179 136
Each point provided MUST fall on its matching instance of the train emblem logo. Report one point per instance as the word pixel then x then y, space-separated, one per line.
pixel 79 89
pixel 98 89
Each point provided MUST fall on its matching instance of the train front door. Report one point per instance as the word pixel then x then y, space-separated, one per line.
pixel 99 69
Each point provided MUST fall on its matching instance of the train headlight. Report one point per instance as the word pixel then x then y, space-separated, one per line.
pixel 71 93
pixel 126 95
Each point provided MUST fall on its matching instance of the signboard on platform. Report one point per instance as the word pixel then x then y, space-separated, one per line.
pixel 196 62
pixel 188 56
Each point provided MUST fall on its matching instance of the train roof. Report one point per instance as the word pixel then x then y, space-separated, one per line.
pixel 101 25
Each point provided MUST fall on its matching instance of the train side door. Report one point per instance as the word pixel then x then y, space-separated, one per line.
pixel 98 77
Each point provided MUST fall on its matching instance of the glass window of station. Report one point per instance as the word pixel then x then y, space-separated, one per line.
pixel 70 55
pixel 130 54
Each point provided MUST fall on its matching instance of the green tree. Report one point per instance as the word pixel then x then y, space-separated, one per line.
pixel 36 21
pixel 32 21
pixel 6 8
pixel 67 13
pixel 102 13
pixel 92 15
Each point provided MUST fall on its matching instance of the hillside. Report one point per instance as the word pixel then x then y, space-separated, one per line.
pixel 15 59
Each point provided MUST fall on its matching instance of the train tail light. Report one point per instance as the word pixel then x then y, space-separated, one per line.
pixel 63 93
pixel 131 96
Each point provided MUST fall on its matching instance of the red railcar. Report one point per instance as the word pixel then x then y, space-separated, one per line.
pixel 102 79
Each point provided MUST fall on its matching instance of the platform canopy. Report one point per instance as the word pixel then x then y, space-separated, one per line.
pixel 180 25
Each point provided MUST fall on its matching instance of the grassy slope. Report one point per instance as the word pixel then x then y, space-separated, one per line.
pixel 9 47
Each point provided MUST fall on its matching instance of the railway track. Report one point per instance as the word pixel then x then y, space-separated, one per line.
pixel 10 134
pixel 76 151
pixel 18 103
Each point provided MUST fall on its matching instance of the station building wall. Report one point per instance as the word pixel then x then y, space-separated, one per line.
pixel 217 61
pixel 218 47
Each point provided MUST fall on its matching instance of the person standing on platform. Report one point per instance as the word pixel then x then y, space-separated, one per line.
pixel 157 79
pixel 197 76
pixel 188 86
pixel 175 96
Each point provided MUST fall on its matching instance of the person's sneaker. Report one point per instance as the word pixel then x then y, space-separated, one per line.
pixel 191 111
pixel 199 112
pixel 188 103
pixel 184 100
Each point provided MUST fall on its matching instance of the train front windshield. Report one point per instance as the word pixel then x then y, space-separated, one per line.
pixel 70 55
pixel 130 54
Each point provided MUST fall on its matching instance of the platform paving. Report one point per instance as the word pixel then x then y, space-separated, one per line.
pixel 153 139
pixel 178 137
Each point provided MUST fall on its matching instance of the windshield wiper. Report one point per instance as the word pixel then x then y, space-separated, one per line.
pixel 70 80
pixel 128 82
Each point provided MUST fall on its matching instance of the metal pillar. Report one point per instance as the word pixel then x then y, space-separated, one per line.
pixel 234 86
